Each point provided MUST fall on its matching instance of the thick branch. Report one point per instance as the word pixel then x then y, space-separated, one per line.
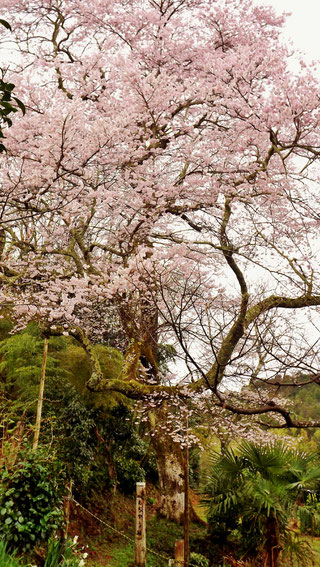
pixel 215 374
pixel 278 301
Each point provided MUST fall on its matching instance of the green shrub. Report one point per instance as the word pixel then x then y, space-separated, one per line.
pixel 309 516
pixel 128 472
pixel 75 437
pixel 30 501
pixel 63 554
pixel 252 493
pixel 199 560
pixel 54 553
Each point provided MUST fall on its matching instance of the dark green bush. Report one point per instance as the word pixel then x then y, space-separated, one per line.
pixel 75 437
pixel 128 472
pixel 199 560
pixel 30 501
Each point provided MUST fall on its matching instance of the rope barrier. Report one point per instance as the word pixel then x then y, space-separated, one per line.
pixel 164 557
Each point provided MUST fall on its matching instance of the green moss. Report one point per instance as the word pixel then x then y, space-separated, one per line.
pixel 76 362
pixel 5 327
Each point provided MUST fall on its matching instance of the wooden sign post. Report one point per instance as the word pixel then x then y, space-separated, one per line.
pixel 179 553
pixel 186 499
pixel 141 547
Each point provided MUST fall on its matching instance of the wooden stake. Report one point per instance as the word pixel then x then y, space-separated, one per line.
pixel 141 545
pixel 40 396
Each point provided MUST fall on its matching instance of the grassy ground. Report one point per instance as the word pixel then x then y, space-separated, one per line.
pixel 118 552
pixel 106 548
pixel 109 549
pixel 162 536
pixel 315 546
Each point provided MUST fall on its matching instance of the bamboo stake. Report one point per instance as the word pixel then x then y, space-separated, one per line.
pixel 40 396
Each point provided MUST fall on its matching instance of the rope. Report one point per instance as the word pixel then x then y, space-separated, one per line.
pixel 165 557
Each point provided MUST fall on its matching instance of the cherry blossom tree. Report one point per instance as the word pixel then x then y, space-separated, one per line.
pixel 163 186
pixel 8 102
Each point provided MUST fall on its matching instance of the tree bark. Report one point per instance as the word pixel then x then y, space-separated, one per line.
pixel 170 464
pixel 272 546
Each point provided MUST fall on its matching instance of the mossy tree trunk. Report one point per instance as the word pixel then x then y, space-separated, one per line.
pixel 170 464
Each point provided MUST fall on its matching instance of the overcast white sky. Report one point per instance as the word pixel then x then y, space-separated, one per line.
pixel 303 26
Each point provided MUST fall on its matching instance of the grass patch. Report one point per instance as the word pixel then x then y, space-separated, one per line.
pixel 122 555
pixel 161 537
pixel 314 543
pixel 7 560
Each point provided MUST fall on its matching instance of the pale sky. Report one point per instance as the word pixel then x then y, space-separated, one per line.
pixel 303 26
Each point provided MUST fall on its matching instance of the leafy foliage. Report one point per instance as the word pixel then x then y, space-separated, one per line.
pixel 94 434
pixel 129 472
pixel 199 560
pixel 306 400
pixel 20 363
pixel 309 516
pixel 62 554
pixel 30 500
pixel 253 491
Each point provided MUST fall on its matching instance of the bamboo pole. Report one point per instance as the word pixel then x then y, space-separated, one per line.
pixel 40 396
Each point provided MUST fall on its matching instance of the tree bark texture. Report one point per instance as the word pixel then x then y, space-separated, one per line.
pixel 273 546
pixel 170 465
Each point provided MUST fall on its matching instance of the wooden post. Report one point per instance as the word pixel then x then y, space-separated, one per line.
pixel 40 395
pixel 141 545
pixel 186 499
pixel 179 552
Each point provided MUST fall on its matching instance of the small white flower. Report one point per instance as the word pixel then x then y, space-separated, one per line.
pixel 81 563
pixel 75 539
pixel 85 555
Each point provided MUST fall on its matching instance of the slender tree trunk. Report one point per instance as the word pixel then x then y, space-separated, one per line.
pixel 272 546
pixel 40 396
pixel 109 460
pixel 66 511
pixel 111 469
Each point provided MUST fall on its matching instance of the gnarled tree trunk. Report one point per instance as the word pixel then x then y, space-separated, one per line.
pixel 170 466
